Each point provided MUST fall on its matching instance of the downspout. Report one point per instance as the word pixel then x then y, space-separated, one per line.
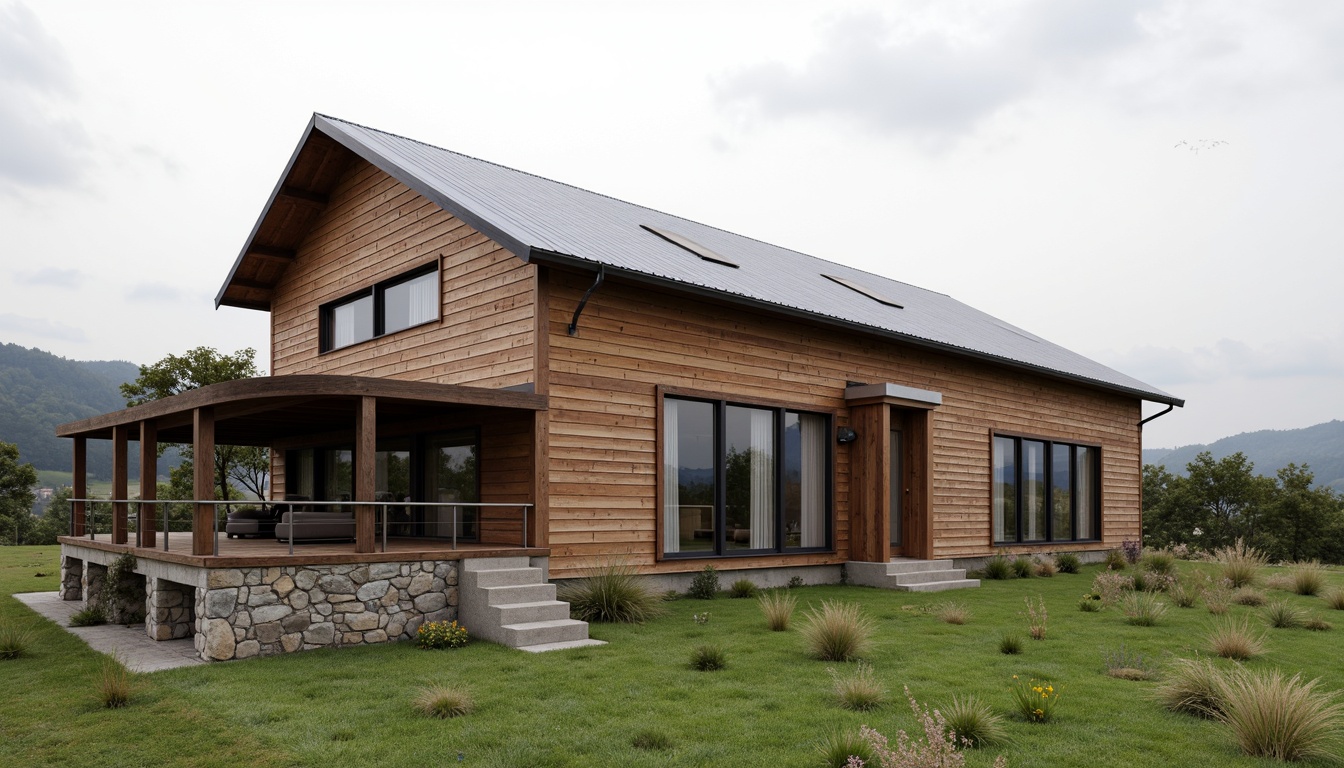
pixel 574 324
pixel 1170 407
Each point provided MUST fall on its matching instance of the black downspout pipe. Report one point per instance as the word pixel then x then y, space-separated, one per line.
pixel 574 324
pixel 1170 408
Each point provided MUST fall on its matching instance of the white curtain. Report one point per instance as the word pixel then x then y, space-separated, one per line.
pixel 343 326
pixel 1085 494
pixel 813 481
pixel 762 479
pixel 671 486
pixel 421 298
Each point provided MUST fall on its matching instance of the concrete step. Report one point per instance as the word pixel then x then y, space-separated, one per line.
pixel 495 563
pixel 922 577
pixel 522 593
pixel 915 566
pixel 506 577
pixel 524 613
pixel 544 632
pixel 543 647
pixel 939 586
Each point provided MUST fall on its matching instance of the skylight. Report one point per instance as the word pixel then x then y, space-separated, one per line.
pixel 853 286
pixel 689 245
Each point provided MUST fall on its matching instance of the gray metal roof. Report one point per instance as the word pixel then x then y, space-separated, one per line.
pixel 543 220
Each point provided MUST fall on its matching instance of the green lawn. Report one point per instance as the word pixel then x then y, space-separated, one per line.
pixel 584 707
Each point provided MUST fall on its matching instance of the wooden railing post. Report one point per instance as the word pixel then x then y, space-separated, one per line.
pixel 366 446
pixel 203 458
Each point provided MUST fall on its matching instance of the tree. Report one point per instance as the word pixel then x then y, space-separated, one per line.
pixel 247 466
pixel 55 518
pixel 1300 518
pixel 1225 499
pixel 16 496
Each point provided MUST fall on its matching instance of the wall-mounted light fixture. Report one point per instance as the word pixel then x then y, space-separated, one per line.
pixel 845 435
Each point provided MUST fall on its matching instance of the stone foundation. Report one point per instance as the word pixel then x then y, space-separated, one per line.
pixel 248 612
pixel 72 578
pixel 95 575
pixel 170 609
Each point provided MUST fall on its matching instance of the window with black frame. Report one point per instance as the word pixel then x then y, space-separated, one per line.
pixel 743 479
pixel 393 305
pixel 1044 491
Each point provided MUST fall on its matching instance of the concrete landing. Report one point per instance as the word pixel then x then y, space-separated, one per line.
pixel 131 645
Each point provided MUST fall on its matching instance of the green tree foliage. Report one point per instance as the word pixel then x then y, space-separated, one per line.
pixel 1302 522
pixel 245 466
pixel 16 496
pixel 54 520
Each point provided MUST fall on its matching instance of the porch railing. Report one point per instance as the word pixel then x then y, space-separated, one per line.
pixel 100 514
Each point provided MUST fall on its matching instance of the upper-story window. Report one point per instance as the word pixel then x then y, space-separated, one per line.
pixel 1045 491
pixel 387 307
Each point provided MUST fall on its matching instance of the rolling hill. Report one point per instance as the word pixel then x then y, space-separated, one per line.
pixel 1321 447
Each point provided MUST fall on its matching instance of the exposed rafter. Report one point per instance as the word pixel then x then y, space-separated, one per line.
pixel 303 195
pixel 271 252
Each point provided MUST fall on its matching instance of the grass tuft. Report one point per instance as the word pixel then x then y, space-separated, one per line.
pixel 743 588
pixel 837 632
pixel 1067 562
pixel 443 702
pixel 1024 567
pixel 1280 718
pixel 650 740
pixel 115 683
pixel 835 750
pixel 1241 563
pixel 1335 598
pixel 1249 596
pixel 1036 617
pixel 860 691
pixel 973 722
pixel 1317 624
pixel 998 568
pixel 1191 686
pixel 1181 595
pixel 1159 561
pixel 1283 615
pixel 15 641
pixel 91 616
pixel 1115 560
pixel 1129 665
pixel 1143 609
pixel 951 612
pixel 1046 568
pixel 709 658
pixel 1233 639
pixel 612 593
pixel 778 608
pixel 1010 645
pixel 1308 578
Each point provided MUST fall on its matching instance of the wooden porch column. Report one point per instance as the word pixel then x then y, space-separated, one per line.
pixel 80 485
pixel 870 484
pixel 203 460
pixel 149 481
pixel 119 485
pixel 539 519
pixel 366 445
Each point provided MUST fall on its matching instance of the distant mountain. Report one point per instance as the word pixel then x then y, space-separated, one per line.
pixel 1321 447
pixel 39 390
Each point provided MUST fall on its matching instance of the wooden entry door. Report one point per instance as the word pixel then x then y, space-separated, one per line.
pixel 890 509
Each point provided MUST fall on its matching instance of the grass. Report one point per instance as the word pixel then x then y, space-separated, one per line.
pixel 15 641
pixel 1249 596
pixel 443 701
pixel 1307 578
pixel 1143 609
pixel 777 606
pixel 1282 614
pixel 743 588
pixel 835 749
pixel 998 568
pixel 1234 639
pixel 973 721
pixel 951 612
pixel 859 691
pixel 1125 664
pixel 584 707
pixel 838 631
pixel 1280 717
pixel 1067 562
pixel 1024 567
pixel 1010 645
pixel 1241 564
pixel 1191 686
pixel 114 685
pixel 1334 598
pixel 612 593
pixel 709 657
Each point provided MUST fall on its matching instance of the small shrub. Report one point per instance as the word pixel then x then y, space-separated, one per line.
pixel 951 612
pixel 1233 639
pixel 1143 609
pixel 1090 603
pixel 709 658
pixel 837 632
pixel 1249 596
pixel 795 582
pixel 938 747
pixel 443 702
pixel 1282 615
pixel 1115 560
pixel 973 722
pixel 743 588
pixel 836 749
pixel 1159 582
pixel 998 568
pixel 1182 596
pixel 1308 578
pixel 89 616
pixel 700 618
pixel 652 741
pixel 1045 568
pixel 1140 581
pixel 1036 618
pixel 1010 645
pixel 115 683
pixel 1128 665
pixel 705 585
pixel 433 635
pixel 778 609
pixel 1111 586
pixel 1067 562
pixel 1132 550
pixel 611 593
pixel 1280 718
pixel 1317 624
pixel 15 641
pixel 1217 600
pixel 1240 563
pixel 1159 561
pixel 1024 567
pixel 860 691
pixel 1191 686
pixel 1335 598
pixel 1035 700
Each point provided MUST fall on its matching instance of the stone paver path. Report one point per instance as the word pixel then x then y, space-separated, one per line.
pixel 132 646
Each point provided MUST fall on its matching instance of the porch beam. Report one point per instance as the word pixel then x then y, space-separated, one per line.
pixel 119 483
pixel 149 485
pixel 366 445
pixel 80 483
pixel 203 477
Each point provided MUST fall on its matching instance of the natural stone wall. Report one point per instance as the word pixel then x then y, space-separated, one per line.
pixel 95 576
pixel 72 578
pixel 170 609
pixel 263 611
pixel 127 603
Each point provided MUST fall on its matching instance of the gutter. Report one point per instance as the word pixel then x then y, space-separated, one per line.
pixel 1170 407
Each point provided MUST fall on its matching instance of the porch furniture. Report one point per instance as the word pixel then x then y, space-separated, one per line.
pixel 259 523
pixel 311 526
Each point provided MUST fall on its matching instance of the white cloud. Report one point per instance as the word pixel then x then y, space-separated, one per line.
pixel 61 278
pixel 1230 359
pixel 39 328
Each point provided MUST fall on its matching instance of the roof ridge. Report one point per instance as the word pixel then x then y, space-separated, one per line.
pixel 627 202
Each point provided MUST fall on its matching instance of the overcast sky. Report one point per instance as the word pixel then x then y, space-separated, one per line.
pixel 1157 185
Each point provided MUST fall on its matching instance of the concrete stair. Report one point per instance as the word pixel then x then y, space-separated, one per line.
pixel 507 600
pixel 909 575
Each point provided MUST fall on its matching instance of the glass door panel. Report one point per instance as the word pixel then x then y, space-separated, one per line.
pixel 451 475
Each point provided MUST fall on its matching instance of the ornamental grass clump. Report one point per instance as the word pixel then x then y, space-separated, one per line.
pixel 1283 615
pixel 939 747
pixel 973 722
pixel 1335 598
pixel 777 606
pixel 1191 686
pixel 1024 567
pixel 1111 586
pixel 15 641
pixel 1279 717
pixel 1249 596
pixel 89 616
pixel 115 683
pixel 1035 700
pixel 1067 562
pixel 1115 560
pixel 1010 645
pixel 743 588
pixel 837 631
pixel 1045 569
pixel 1308 578
pixel 1143 609
pixel 709 658
pixel 860 691
pixel 1090 603
pixel 951 612
pixel 433 635
pixel 1317 624
pixel 614 593
pixel 443 702
pixel 1235 639
pixel 836 749
pixel 1159 561
pixel 998 568
pixel 1124 664
pixel 1182 596
pixel 1240 562
pixel 1036 618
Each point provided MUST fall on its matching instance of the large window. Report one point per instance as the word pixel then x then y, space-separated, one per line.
pixel 390 306
pixel 743 479
pixel 1044 491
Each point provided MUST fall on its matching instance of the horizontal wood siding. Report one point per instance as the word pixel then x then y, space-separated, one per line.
pixel 375 228
pixel 603 430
